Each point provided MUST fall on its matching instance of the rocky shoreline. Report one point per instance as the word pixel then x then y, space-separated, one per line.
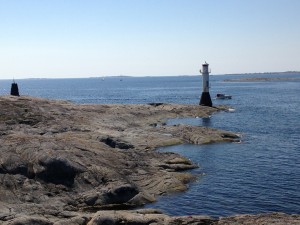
pixel 63 163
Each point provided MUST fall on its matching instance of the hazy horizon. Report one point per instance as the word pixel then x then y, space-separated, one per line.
pixel 120 76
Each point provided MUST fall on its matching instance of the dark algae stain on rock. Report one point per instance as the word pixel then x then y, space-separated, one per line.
pixel 61 162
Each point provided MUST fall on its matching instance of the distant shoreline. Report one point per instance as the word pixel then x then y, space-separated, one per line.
pixel 129 76
pixel 255 79
pixel 264 73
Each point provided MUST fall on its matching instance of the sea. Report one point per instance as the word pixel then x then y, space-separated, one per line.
pixel 259 174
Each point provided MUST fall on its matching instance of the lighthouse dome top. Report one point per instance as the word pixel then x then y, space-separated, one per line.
pixel 205 64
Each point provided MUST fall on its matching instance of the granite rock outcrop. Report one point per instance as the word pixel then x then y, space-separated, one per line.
pixel 62 162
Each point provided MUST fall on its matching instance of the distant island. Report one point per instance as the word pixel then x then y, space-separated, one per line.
pixel 258 73
pixel 255 79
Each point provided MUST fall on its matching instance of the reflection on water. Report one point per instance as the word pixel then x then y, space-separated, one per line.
pixel 206 122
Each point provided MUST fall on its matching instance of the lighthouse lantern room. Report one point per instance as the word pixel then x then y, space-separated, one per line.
pixel 205 97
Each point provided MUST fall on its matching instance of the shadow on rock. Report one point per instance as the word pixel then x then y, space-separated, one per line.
pixel 58 171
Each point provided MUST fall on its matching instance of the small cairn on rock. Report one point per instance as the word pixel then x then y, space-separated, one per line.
pixel 14 89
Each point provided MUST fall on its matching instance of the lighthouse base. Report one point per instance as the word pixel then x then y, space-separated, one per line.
pixel 205 99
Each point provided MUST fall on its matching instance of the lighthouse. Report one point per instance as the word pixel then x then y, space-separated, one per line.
pixel 205 97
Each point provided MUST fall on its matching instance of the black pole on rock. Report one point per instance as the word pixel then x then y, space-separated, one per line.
pixel 14 89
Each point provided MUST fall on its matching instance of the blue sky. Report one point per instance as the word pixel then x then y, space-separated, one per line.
pixel 85 38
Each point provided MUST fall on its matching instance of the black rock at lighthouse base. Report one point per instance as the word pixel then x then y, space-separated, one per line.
pixel 205 99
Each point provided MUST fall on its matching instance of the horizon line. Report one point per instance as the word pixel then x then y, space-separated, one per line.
pixel 132 76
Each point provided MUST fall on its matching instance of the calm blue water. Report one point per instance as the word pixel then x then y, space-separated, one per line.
pixel 123 90
pixel 261 174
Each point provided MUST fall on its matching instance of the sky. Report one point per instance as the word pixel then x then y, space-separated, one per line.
pixel 92 38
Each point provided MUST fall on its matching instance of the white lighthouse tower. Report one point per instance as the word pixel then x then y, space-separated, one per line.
pixel 205 97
